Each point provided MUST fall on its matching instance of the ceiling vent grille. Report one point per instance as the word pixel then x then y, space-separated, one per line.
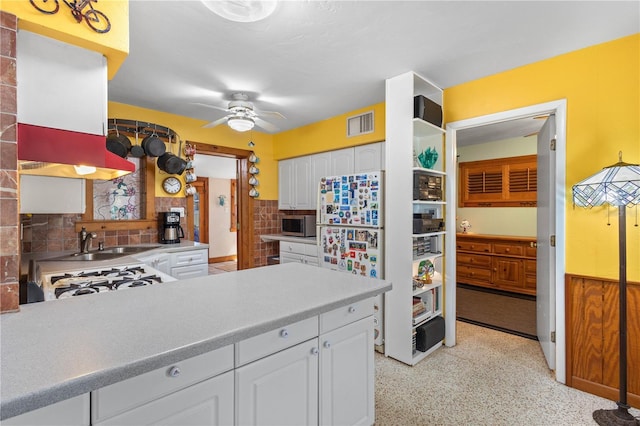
pixel 360 124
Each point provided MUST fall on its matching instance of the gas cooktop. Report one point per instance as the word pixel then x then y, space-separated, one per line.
pixel 80 283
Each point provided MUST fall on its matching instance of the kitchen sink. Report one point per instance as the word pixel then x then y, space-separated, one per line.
pixel 106 254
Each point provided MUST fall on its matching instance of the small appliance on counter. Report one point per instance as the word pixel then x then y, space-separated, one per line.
pixel 299 225
pixel 170 229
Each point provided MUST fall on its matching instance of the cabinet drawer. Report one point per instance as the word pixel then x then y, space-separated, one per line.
pixel 275 340
pixel 184 258
pixel 474 260
pixel 530 267
pixel 530 282
pixel 474 246
pixel 184 272
pixel 136 391
pixel 298 248
pixel 530 251
pixel 311 250
pixel 477 274
pixel 345 315
pixel 73 411
pixel 508 249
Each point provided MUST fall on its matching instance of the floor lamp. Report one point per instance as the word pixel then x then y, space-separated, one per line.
pixel 617 185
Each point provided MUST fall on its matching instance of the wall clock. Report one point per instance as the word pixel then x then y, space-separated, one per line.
pixel 172 185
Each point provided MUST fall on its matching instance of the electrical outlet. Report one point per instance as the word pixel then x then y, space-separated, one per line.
pixel 179 210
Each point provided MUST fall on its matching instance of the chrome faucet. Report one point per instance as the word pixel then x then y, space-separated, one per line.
pixel 85 240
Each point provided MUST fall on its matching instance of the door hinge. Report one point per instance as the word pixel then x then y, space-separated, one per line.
pixel 552 241
pixel 552 144
pixel 553 337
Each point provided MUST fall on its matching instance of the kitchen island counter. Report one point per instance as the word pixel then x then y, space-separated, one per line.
pixel 59 349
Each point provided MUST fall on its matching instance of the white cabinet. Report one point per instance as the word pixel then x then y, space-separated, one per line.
pixel 294 184
pixel 159 260
pixel 57 105
pixel 70 412
pixel 189 264
pixel 51 195
pixel 192 391
pixel 320 167
pixel 407 137
pixel 368 158
pixel 206 403
pixel 299 253
pixel 342 161
pixel 327 380
pixel 347 374
pixel 281 389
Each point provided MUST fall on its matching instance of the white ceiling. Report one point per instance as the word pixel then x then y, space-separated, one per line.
pixel 313 60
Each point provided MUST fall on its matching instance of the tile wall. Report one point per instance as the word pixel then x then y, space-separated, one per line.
pixel 266 221
pixel 9 237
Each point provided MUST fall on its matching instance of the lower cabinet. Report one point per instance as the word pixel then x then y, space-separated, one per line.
pixel 298 253
pixel 189 264
pixel 205 403
pixel 281 389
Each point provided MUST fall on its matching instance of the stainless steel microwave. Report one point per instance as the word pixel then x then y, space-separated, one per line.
pixel 299 225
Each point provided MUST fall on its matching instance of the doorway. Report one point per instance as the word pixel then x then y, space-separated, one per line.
pixel 243 202
pixel 198 211
pixel 556 282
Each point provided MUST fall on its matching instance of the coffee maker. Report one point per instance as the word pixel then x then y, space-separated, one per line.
pixel 170 229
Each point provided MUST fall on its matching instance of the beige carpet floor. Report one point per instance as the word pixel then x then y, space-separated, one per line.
pixel 489 378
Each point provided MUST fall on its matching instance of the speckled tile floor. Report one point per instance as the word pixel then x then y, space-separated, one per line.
pixel 222 267
pixel 488 378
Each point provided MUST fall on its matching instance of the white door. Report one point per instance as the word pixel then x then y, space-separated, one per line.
pixel 320 167
pixel 368 158
pixel 285 184
pixel 342 162
pixel 281 389
pixel 302 195
pixel 546 267
pixel 347 375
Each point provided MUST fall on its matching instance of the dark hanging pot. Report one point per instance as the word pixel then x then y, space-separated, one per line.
pixel 171 164
pixel 153 146
pixel 118 144
pixel 137 150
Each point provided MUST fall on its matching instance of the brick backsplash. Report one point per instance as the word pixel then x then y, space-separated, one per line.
pixel 9 185
pixel 266 221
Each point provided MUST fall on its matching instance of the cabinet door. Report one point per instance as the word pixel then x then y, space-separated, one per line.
pixel 342 162
pixel 285 184
pixel 347 375
pixel 281 389
pixel 320 167
pixel 47 194
pixel 206 403
pixel 368 158
pixel 70 412
pixel 302 194
pixel 508 272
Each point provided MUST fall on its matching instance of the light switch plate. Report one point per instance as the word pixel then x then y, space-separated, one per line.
pixel 179 210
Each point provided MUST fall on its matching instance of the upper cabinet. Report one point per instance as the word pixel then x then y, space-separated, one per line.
pixel 44 99
pixel 298 178
pixel 501 182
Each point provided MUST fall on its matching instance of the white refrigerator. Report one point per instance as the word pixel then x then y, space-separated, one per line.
pixel 350 229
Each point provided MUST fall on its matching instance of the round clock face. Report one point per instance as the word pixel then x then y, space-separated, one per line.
pixel 172 185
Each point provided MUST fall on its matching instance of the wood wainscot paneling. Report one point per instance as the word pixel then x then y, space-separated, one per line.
pixel 592 326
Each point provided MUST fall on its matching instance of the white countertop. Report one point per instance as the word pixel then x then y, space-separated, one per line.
pixel 280 237
pixel 59 349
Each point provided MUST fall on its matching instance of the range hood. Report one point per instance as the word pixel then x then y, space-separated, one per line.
pixel 46 151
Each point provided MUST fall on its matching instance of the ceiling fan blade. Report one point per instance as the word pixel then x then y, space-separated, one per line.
pixel 272 114
pixel 211 106
pixel 265 125
pixel 215 123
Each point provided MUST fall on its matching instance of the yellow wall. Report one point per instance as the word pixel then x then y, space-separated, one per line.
pixel 62 26
pixel 602 86
pixel 190 129
pixel 327 135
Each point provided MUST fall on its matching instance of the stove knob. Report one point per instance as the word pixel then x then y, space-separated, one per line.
pixel 173 371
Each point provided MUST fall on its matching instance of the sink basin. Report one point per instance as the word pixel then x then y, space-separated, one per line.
pixel 106 254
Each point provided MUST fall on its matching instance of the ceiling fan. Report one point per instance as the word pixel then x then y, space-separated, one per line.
pixel 242 115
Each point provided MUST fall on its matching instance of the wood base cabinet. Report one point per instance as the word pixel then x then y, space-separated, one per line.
pixel 500 262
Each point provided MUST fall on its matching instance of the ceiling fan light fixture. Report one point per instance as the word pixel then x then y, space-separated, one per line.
pixel 241 124
pixel 241 10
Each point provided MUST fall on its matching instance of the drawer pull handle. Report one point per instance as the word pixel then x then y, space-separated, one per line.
pixel 173 371
pixel 351 309
pixel 326 344
pixel 284 333
pixel 314 351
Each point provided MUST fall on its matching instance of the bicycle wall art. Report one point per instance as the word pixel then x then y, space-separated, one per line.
pixel 97 21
